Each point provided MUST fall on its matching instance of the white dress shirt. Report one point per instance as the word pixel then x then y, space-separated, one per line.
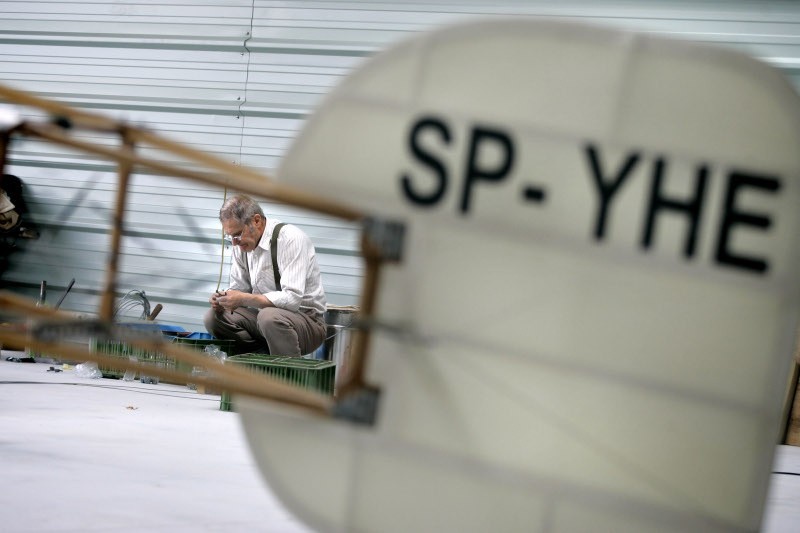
pixel 301 283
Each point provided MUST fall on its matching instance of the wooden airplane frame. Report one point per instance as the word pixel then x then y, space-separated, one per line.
pixel 65 121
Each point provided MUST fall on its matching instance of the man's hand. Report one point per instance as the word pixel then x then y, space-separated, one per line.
pixel 216 301
pixel 230 300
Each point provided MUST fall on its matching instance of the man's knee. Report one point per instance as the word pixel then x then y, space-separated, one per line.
pixel 210 321
pixel 271 319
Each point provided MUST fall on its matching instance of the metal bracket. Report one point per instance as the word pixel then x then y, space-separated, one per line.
pixel 359 406
pixel 385 236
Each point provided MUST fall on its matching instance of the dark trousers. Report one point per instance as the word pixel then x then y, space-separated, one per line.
pixel 271 329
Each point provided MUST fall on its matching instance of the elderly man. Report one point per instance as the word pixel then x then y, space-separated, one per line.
pixel 275 301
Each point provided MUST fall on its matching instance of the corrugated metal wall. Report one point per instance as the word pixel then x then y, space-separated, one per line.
pixel 237 79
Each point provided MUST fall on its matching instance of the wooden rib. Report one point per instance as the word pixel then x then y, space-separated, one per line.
pixel 76 116
pixel 278 390
pixel 235 177
pixel 21 305
pixel 354 377
pixel 117 228
pixel 231 379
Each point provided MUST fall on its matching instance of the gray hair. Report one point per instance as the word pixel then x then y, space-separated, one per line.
pixel 240 208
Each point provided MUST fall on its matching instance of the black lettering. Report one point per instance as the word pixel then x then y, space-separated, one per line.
pixel 692 208
pixel 731 217
pixel 475 174
pixel 532 193
pixel 429 160
pixel 607 189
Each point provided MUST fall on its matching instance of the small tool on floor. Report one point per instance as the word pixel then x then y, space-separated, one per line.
pixel 15 359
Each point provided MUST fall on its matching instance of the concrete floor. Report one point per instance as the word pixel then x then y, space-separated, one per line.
pixel 82 455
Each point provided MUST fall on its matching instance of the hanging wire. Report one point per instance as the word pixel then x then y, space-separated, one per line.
pixel 222 243
pixel 133 301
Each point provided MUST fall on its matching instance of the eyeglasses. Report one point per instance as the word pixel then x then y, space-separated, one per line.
pixel 236 237
pixel 233 239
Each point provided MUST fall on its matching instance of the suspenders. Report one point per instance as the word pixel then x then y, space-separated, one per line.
pixel 273 248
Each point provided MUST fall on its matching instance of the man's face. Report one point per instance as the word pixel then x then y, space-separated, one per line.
pixel 245 236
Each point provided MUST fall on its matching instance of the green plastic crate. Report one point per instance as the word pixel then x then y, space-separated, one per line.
pixel 122 349
pixel 310 374
pixel 200 345
pixel 57 357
